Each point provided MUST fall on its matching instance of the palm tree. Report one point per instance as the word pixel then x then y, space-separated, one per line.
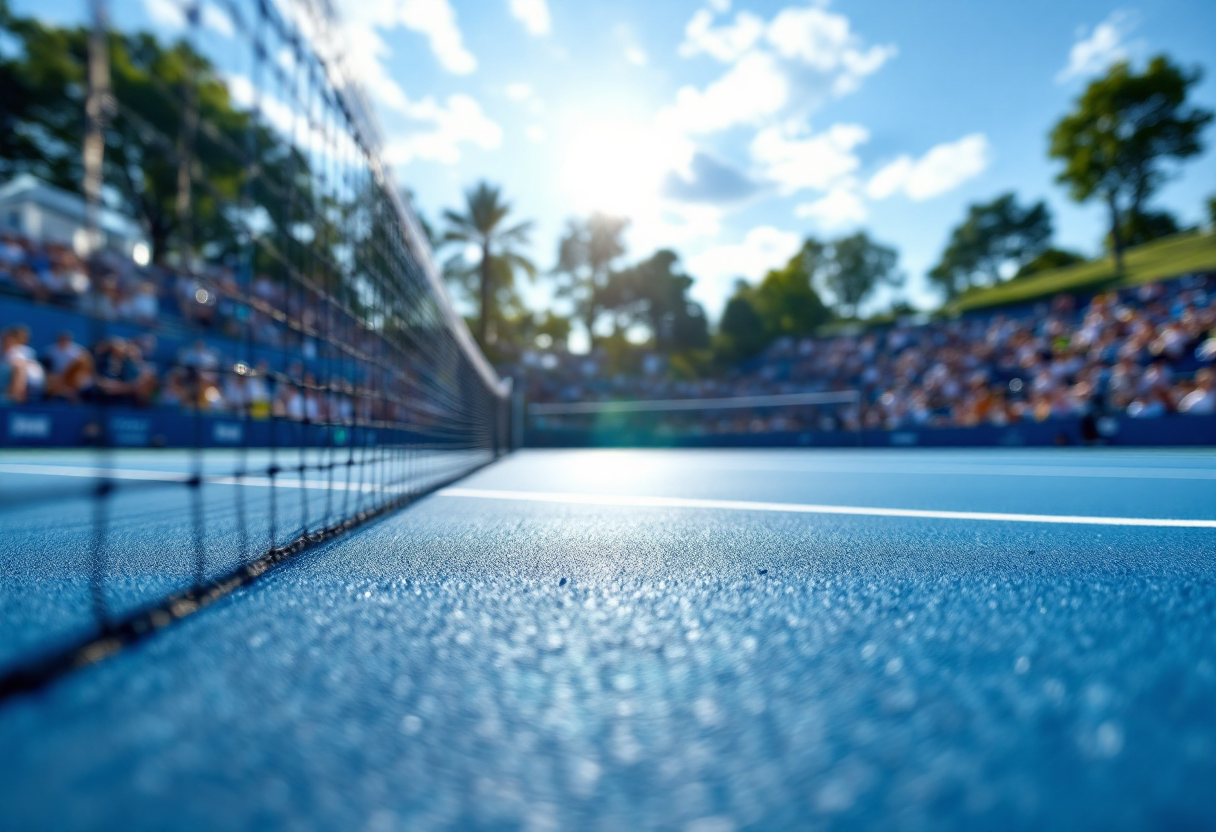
pixel 483 224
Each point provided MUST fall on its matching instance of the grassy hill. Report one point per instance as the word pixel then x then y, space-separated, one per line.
pixel 1169 257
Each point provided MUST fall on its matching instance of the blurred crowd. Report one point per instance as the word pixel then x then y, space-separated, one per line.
pixel 189 339
pixel 117 371
pixel 1143 352
pixel 208 297
pixel 185 340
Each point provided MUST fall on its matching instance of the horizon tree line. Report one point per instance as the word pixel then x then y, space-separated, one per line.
pixel 1118 145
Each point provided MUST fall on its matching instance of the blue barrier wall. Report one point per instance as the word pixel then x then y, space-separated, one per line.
pixel 1117 431
pixel 66 426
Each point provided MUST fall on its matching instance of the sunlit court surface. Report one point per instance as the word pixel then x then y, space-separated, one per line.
pixel 607 415
pixel 655 639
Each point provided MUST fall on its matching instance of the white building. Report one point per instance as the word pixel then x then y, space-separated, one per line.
pixel 45 213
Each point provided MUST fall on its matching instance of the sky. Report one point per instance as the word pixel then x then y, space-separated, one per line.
pixel 728 130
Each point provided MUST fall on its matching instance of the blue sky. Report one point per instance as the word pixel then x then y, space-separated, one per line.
pixel 729 129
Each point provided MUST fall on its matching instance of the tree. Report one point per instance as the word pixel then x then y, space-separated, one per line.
pixel 741 332
pixel 654 293
pixel 858 266
pixel 784 303
pixel 1052 258
pixel 552 326
pixel 39 124
pixel 483 225
pixel 1146 226
pixel 1122 131
pixel 179 182
pixel 1212 213
pixel 995 240
pixel 585 255
pixel 786 299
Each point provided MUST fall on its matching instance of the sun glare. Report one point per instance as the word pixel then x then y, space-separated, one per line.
pixel 616 168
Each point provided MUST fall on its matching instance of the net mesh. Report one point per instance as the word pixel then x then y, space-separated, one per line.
pixel 828 417
pixel 257 350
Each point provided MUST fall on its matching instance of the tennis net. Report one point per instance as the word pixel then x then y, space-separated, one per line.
pixel 226 341
pixel 826 416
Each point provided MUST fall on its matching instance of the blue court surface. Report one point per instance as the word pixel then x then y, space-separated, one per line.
pixel 600 639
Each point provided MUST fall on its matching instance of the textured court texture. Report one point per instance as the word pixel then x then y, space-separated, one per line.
pixel 495 664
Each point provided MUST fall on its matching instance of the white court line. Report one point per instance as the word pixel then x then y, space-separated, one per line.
pixel 805 508
pixel 972 470
pixel 867 467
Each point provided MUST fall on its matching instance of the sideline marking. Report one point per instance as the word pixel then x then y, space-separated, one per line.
pixel 981 470
pixel 807 508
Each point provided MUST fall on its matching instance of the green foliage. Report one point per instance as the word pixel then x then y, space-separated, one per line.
pixel 741 331
pixel 490 277
pixel 1144 227
pixel 1158 260
pixel 784 303
pixel 585 255
pixel 40 125
pixel 151 148
pixel 1122 130
pixel 1212 213
pixel 556 327
pixel 654 294
pixel 690 365
pixel 857 267
pixel 1052 258
pixel 787 301
pixel 996 237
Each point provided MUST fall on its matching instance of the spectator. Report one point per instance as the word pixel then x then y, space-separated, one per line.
pixel 121 375
pixel 71 367
pixel 26 379
pixel 143 307
pixel 1202 400
pixel 199 357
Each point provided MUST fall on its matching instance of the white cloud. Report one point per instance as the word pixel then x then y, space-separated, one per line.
pixel 795 61
pixel 536 133
pixel 825 42
pixel 524 93
pixel 890 179
pixel 420 129
pixel 943 168
pixel 290 123
pixel 716 269
pixel 217 20
pixel 840 208
pixel 816 161
pixel 630 50
pixel 170 14
pixel 519 91
pixel 459 121
pixel 534 15
pixel 1103 47
pixel 166 14
pixel 436 19
pixel 365 54
pixel 636 56
pixel 751 89
pixel 724 43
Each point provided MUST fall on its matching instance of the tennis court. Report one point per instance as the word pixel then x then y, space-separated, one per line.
pixel 702 640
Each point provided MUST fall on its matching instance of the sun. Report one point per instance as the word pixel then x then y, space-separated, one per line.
pixel 615 167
